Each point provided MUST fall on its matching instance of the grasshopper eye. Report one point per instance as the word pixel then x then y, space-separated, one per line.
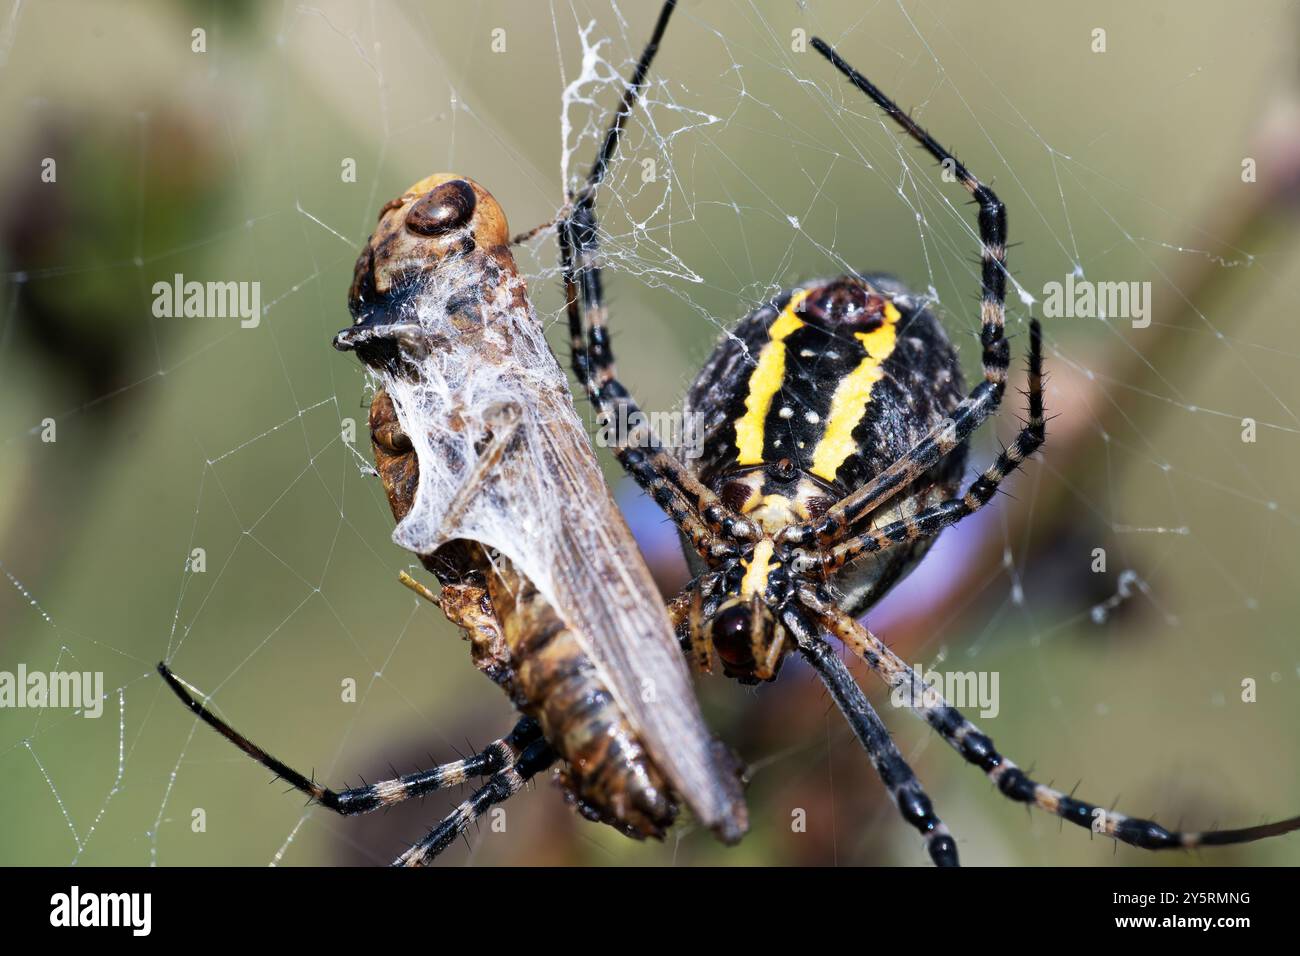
pixel 445 208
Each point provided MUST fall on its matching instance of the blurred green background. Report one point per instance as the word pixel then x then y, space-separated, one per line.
pixel 174 434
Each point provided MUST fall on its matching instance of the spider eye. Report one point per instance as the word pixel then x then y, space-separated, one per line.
pixel 447 207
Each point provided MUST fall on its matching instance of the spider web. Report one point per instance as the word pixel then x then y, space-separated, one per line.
pixel 749 166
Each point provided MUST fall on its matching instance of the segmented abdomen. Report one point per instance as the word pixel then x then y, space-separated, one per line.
pixel 520 641
pixel 609 774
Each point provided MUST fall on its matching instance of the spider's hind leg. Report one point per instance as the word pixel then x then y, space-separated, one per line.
pixel 1013 783
pixel 898 778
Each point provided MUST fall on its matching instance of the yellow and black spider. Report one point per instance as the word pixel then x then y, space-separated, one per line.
pixel 834 447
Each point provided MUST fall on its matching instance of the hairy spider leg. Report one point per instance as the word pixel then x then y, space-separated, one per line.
pixel 977 748
pixel 500 787
pixel 694 508
pixel 497 756
pixel 894 772
pixel 839 521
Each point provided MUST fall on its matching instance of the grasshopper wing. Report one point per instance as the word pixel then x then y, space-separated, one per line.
pixel 504 460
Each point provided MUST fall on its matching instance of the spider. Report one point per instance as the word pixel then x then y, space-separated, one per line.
pixel 836 426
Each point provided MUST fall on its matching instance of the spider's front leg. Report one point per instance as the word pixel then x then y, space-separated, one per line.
pixel 498 756
pixel 840 522
pixel 685 614
pixel 709 525
pixel 693 508
pixel 977 748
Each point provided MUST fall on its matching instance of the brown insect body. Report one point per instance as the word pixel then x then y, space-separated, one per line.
pixel 520 642
pixel 488 471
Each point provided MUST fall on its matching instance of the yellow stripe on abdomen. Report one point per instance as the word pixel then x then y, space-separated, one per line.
pixel 849 403
pixel 764 383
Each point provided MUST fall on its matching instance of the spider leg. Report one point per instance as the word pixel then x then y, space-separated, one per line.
pixel 500 787
pixel 695 509
pixel 985 398
pixel 684 614
pixel 931 521
pixel 892 769
pixel 977 748
pixel 498 756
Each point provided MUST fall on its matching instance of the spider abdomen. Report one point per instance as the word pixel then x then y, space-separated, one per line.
pixel 816 392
